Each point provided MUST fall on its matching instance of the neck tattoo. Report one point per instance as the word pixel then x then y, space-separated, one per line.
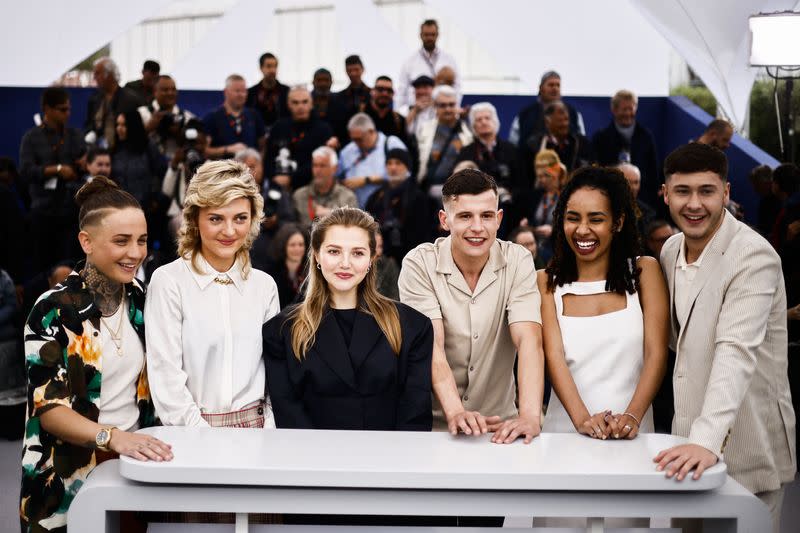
pixel 107 293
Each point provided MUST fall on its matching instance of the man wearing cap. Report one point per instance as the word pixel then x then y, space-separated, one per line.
pixel 406 215
pixel 421 110
pixel 530 121
pixel 427 61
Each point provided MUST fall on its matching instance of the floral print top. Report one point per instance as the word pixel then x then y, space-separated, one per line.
pixel 64 367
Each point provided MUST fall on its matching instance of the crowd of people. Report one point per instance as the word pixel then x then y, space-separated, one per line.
pixel 549 282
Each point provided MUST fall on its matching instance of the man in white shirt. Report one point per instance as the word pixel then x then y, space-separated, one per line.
pixel 426 61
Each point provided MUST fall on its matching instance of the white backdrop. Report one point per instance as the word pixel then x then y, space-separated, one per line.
pixel 502 46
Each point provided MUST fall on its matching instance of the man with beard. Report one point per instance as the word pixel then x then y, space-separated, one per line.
pixel 427 61
pixel 269 96
pixel 387 121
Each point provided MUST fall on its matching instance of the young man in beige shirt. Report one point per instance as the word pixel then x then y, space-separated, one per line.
pixel 481 295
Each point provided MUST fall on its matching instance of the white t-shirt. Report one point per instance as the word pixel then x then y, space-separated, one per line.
pixel 120 371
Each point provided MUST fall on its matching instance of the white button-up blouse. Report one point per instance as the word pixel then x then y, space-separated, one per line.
pixel 204 340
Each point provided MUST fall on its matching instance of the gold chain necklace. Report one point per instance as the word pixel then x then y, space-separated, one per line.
pixel 116 334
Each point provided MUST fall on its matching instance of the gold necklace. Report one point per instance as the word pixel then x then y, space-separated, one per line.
pixel 223 279
pixel 116 334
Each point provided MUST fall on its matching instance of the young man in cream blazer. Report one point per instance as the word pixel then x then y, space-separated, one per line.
pixel 728 328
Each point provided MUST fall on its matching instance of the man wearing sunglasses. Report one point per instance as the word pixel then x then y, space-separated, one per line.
pixel 380 109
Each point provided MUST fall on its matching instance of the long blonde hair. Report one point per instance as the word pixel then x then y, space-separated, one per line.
pixel 215 184
pixel 307 316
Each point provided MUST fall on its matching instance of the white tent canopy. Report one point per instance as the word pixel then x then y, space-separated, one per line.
pixel 714 39
pixel 598 46
pixel 44 38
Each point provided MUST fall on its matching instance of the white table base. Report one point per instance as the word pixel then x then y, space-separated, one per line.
pixel 730 508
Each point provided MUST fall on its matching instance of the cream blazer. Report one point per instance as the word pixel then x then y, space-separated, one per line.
pixel 731 387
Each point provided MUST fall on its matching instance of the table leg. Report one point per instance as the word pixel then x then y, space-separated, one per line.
pixel 242 523
pixel 595 525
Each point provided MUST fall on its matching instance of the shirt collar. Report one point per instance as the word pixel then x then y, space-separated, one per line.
pixel 682 264
pixel 207 274
pixel 175 110
pixel 431 55
pixel 445 263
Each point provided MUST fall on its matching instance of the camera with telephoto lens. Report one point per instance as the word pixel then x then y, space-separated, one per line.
pixel 284 164
pixel 192 158
pixel 168 121
pixel 272 200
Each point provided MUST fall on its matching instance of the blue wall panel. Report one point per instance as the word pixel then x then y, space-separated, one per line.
pixel 672 120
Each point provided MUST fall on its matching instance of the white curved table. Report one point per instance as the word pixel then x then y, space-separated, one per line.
pixel 399 473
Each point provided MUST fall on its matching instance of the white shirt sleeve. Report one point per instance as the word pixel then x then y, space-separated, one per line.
pixel 513 134
pixel 402 97
pixel 163 316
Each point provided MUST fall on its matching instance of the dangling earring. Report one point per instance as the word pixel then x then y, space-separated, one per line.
pixel 369 268
pixel 319 266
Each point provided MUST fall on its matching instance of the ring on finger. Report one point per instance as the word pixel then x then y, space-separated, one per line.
pixel 627 426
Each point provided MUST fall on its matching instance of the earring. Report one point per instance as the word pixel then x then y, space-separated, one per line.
pixel 319 266
pixel 369 268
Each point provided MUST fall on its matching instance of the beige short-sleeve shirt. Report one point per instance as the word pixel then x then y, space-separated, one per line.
pixel 477 339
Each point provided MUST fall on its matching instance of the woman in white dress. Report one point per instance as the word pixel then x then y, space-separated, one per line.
pixel 208 306
pixel 604 313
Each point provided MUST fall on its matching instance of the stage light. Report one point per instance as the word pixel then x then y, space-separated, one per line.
pixel 775 40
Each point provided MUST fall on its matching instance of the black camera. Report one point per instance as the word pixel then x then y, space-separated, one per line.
pixel 192 158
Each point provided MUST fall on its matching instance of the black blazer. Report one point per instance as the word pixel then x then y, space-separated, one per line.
pixel 608 143
pixel 363 386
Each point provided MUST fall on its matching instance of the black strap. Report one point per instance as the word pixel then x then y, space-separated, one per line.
pixel 433 168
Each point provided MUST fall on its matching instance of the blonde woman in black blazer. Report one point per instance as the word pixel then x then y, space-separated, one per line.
pixel 347 357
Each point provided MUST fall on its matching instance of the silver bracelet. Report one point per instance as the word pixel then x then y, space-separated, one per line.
pixel 633 417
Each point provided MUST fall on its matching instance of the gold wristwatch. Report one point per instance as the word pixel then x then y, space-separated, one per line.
pixel 103 438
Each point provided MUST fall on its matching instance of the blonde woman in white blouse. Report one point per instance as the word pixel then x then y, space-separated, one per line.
pixel 205 309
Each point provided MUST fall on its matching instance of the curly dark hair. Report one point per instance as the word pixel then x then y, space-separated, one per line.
pixel 623 275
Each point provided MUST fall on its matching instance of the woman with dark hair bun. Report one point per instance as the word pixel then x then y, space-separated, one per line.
pixel 84 346
pixel 604 312
pixel 136 164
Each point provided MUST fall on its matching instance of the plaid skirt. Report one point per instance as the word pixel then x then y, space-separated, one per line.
pixel 249 416
pixel 252 415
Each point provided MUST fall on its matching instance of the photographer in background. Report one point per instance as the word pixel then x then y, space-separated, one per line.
pixel 163 119
pixel 292 140
pixel 183 165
